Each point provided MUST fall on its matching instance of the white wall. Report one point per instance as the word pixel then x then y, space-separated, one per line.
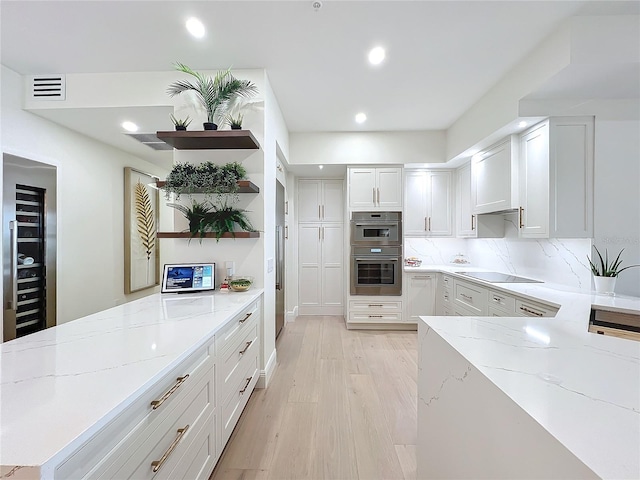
pixel 90 199
pixel 617 197
pixel 367 147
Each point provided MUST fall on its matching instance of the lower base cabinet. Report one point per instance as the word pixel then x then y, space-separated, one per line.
pixel 420 295
pixel 371 312
pixel 177 429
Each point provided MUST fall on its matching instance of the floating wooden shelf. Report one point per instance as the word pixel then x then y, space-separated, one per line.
pixel 208 235
pixel 244 186
pixel 210 140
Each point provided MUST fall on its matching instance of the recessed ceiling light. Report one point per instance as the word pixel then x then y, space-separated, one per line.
pixel 361 117
pixel 522 124
pixel 130 126
pixel 195 27
pixel 376 55
pixel 320 167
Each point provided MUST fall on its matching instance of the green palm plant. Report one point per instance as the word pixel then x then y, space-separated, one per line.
pixel 605 268
pixel 197 215
pixel 214 94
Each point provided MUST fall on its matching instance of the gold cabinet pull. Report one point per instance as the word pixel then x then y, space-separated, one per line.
pixel 429 223
pixel 374 195
pixel 179 381
pixel 157 464
pixel 425 224
pixel 242 352
pixel 378 196
pixel 375 316
pixel 322 212
pixel 521 211
pixel 319 216
pixel 376 305
pixel 532 312
pixel 246 318
pixel 246 385
pixel 473 226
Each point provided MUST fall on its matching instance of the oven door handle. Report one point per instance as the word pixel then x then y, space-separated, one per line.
pixel 376 224
pixel 368 259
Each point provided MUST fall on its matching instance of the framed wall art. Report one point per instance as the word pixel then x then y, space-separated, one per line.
pixel 141 249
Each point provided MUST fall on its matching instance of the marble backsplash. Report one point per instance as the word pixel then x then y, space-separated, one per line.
pixel 560 261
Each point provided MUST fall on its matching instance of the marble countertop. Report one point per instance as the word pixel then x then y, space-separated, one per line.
pixel 583 388
pixel 60 386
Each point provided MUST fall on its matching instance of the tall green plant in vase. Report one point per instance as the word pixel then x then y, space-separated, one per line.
pixel 215 94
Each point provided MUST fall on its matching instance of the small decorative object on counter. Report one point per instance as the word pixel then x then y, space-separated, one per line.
pixel 460 259
pixel 240 283
pixel 412 262
pixel 605 273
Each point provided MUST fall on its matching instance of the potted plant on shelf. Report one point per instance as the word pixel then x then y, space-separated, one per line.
pixel 605 273
pixel 235 122
pixel 214 94
pixel 196 214
pixel 179 123
pixel 207 178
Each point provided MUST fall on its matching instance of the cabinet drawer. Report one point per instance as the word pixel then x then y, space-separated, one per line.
pixel 471 297
pixel 373 305
pixel 162 449
pixel 501 301
pixel 119 437
pixel 447 281
pixel 232 363
pixel 200 456
pixel 233 332
pixel 446 296
pixel 238 396
pixel 375 317
pixel 525 308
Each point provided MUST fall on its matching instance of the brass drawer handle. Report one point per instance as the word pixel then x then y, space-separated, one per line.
pixel 521 217
pixel 532 312
pixel 157 464
pixel 375 316
pixel 246 318
pixel 242 352
pixel 246 385
pixel 376 305
pixel 466 296
pixel 179 381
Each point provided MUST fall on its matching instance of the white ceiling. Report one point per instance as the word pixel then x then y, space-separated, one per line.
pixel 442 56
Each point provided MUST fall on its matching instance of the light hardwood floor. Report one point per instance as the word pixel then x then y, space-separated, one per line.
pixel 341 405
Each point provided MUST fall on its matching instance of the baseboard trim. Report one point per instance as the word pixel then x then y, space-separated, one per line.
pixel 267 373
pixel 321 310
pixel 291 316
pixel 381 326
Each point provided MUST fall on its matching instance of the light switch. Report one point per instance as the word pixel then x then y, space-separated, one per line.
pixel 269 265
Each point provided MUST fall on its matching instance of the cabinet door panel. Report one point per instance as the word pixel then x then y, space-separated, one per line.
pixel 332 242
pixel 466 219
pixel 415 215
pixel 362 183
pixel 332 283
pixel 439 203
pixel 332 201
pixel 491 175
pixel 309 199
pixel 389 185
pixel 309 287
pixel 534 182
pixel 420 296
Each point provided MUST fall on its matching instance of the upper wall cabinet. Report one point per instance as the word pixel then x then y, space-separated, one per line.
pixel 375 188
pixel 320 200
pixel 556 179
pixel 429 203
pixel 494 178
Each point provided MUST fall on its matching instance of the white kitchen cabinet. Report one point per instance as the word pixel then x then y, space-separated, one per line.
pixel 375 188
pixel 556 179
pixel 466 219
pixel 372 312
pixel 320 200
pixel 321 273
pixel 420 288
pixel 494 178
pixel 429 203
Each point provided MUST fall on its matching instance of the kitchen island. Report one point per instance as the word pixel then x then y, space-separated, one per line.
pixel 522 397
pixel 65 386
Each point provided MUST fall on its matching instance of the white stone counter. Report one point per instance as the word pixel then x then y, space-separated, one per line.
pixel 59 386
pixel 582 388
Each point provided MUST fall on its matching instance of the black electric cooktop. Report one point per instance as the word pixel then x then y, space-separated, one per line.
pixel 495 277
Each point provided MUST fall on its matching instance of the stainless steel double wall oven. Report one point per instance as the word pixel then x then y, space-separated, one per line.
pixel 376 253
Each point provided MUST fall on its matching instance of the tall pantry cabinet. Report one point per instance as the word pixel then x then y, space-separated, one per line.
pixel 321 247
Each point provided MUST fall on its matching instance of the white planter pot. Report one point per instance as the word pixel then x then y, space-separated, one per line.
pixel 605 284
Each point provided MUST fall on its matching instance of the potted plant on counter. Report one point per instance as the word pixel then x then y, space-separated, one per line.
pixel 214 94
pixel 605 273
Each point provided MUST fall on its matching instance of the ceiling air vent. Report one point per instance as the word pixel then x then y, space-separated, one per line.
pixel 48 87
pixel 150 140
